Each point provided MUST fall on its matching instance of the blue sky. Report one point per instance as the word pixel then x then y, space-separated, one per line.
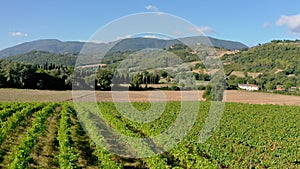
pixel 250 22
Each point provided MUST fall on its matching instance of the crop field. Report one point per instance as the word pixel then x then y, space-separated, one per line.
pixel 49 135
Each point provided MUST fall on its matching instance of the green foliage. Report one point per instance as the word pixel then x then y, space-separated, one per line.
pixel 144 78
pixel 92 123
pixel 278 61
pixel 200 76
pixel 257 136
pixel 16 75
pixel 10 110
pixel 13 121
pixel 43 57
pixel 21 156
pixel 246 133
pixel 136 81
pixel 164 74
pixel 104 159
pixel 67 157
pixel 183 52
pixel 207 93
pixel 104 79
pixel 266 57
pixel 199 66
pixel 233 81
pixel 20 75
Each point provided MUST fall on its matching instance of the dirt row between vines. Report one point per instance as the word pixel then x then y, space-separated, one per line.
pixel 23 95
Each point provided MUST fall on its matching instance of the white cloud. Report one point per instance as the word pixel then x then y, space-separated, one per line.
pixel 123 37
pixel 18 34
pixel 151 8
pixel 93 41
pixel 151 36
pixel 266 25
pixel 203 29
pixel 156 37
pixel 292 22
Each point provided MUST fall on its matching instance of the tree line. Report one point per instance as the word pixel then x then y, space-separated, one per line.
pixel 28 76
pixel 51 76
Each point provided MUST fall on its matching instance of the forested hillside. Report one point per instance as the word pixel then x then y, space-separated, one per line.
pixel 284 55
pixel 43 57
pixel 275 63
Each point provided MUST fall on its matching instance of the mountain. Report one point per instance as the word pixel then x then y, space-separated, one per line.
pixel 50 45
pixel 74 47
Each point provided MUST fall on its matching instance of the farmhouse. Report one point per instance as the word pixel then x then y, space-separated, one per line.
pixel 248 87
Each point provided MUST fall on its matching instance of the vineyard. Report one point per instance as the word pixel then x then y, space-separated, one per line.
pixel 50 135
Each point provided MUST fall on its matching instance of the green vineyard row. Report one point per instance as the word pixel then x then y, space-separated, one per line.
pixel 248 136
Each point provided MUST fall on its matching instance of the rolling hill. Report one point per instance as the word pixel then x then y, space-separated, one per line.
pixel 273 65
pixel 269 57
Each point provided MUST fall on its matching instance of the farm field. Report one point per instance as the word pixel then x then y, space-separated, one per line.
pixel 49 135
pixel 24 95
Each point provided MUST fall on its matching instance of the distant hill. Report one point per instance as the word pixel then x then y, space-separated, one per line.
pixel 59 47
pixel 226 44
pixel 50 45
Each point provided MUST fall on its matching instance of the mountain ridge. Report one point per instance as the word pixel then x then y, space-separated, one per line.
pixel 74 47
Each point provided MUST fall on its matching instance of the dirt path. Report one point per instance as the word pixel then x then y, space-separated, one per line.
pixel 9 95
pixel 81 143
pixel 46 148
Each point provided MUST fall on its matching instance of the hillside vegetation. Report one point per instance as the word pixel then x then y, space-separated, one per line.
pixel 277 63
pixel 43 57
pixel 269 57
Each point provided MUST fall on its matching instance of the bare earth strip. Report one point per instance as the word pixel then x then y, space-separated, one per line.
pixel 261 98
pixel 28 95
pixel 9 95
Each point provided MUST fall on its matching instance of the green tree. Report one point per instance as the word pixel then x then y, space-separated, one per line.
pixel 270 85
pixel 19 75
pixel 103 79
pixel 164 74
pixel 136 81
pixel 207 93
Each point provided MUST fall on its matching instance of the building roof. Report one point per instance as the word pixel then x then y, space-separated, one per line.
pixel 248 85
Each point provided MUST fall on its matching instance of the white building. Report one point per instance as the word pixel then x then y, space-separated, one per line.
pixel 248 87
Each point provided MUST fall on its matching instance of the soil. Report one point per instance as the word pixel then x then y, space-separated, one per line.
pixel 22 95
